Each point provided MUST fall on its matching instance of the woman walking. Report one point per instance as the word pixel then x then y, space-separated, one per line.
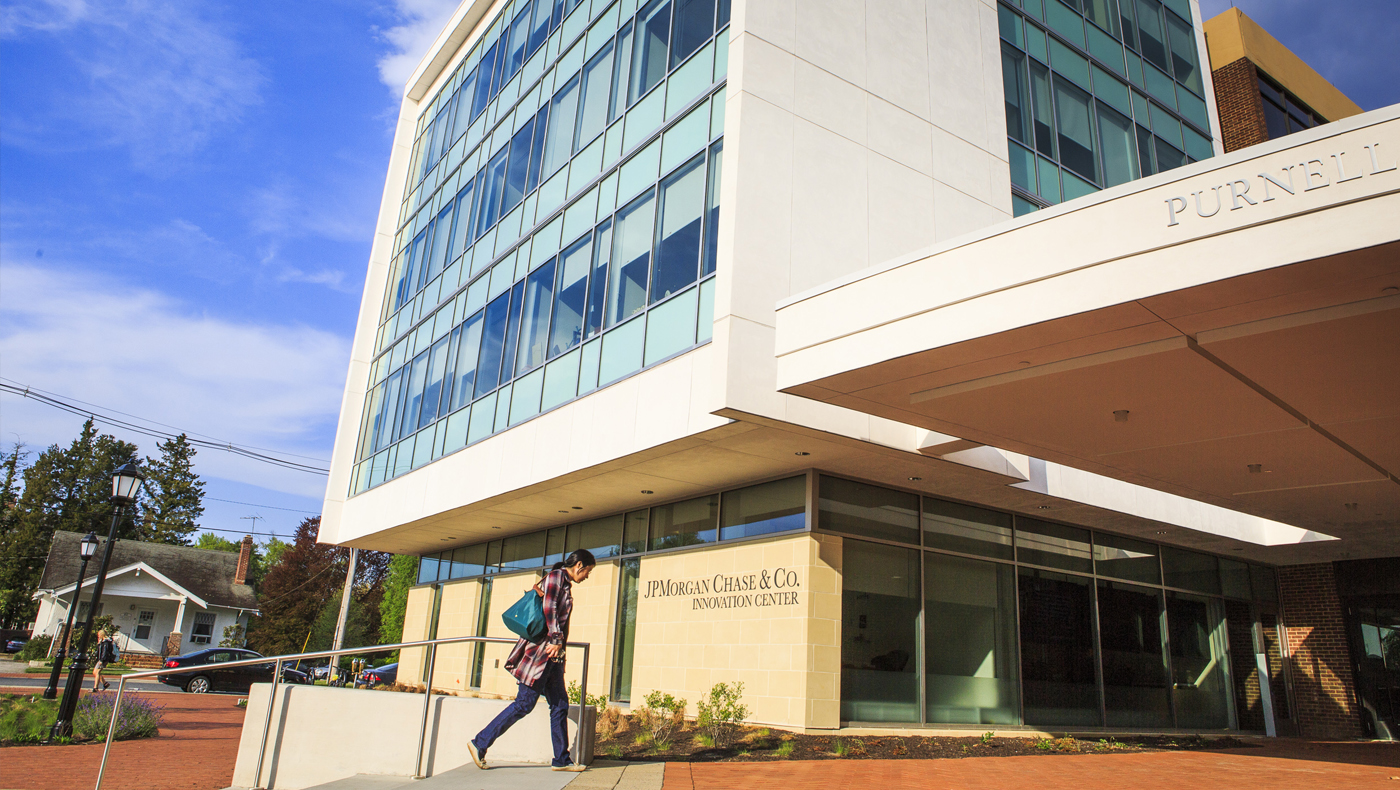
pixel 106 654
pixel 539 666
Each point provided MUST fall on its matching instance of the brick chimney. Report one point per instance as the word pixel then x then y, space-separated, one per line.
pixel 245 557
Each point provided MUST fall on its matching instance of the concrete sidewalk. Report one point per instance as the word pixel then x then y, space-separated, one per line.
pixel 601 775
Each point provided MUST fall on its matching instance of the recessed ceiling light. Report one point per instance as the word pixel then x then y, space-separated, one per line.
pixel 444 539
pixel 495 528
pixel 563 511
pixel 1025 362
pixel 799 452
pixel 916 479
pixel 1161 532
pixel 1043 507
pixel 576 507
pixel 1390 289
pixel 1121 415
pixel 648 491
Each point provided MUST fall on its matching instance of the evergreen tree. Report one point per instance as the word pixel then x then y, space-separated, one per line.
pixel 173 499
pixel 64 489
pixel 21 555
pixel 403 572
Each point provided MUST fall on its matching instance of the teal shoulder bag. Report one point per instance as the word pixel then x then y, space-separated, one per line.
pixel 525 618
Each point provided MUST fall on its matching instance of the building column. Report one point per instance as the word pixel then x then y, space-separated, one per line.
pixel 1319 660
pixel 175 641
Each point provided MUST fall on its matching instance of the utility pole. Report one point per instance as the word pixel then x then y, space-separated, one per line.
pixel 344 609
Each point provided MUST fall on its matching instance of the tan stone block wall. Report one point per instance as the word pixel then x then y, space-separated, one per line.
pixel 416 619
pixel 506 590
pixel 784 648
pixel 457 617
pixel 594 621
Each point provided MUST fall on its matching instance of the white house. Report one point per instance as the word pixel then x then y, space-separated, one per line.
pixel 164 599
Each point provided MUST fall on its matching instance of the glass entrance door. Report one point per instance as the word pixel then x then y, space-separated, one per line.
pixel 1375 635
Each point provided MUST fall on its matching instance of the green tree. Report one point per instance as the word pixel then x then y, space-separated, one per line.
pixel 403 572
pixel 300 594
pixel 173 498
pixel 64 489
pixel 22 551
pixel 208 540
pixel 295 590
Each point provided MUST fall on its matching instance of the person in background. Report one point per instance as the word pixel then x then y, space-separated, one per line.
pixel 539 666
pixel 106 654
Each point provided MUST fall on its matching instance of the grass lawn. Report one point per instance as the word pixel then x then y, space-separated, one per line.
pixel 119 669
pixel 25 718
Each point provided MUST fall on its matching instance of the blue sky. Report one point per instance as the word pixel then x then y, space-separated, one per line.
pixel 188 193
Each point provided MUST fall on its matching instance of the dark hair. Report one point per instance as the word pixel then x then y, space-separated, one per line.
pixel 575 557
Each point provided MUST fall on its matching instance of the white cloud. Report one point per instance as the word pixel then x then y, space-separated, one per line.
pixel 159 78
pixel 420 21
pixel 138 351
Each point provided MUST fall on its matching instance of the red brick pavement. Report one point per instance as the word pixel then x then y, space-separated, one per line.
pixel 1284 764
pixel 195 750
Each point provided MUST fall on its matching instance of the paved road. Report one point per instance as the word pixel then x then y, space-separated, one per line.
pixel 40 681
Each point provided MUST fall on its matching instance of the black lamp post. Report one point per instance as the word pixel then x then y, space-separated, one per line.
pixel 124 484
pixel 87 547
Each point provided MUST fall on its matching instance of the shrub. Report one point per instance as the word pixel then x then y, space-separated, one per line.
pixel 138 717
pixel 609 721
pixel 599 701
pixel 37 648
pixel 662 715
pixel 26 719
pixel 721 711
pixel 839 748
pixel 785 749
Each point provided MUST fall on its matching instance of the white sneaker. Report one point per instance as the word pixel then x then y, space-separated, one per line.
pixel 573 767
pixel 476 758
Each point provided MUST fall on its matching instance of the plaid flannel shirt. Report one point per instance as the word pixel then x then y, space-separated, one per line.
pixel 527 660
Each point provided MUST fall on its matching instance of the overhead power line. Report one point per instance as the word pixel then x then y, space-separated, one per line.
pixel 210 444
pixel 269 507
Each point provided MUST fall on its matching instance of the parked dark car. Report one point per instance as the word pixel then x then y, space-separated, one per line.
pixel 380 675
pixel 15 645
pixel 216 678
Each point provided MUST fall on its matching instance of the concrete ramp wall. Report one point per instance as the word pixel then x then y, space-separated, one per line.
pixel 321 734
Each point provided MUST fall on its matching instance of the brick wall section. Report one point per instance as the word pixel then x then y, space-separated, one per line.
pixel 1239 104
pixel 1319 660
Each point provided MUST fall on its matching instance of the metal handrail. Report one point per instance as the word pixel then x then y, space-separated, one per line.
pixel 431 644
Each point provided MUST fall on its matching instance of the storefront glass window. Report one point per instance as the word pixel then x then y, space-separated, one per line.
pixel 628 572
pixel 879 633
pixel 1234 579
pixel 1053 545
pixel 601 536
pixel 970 641
pixel 1134 660
pixel 1200 683
pixel 634 532
pixel 967 529
pixel 867 510
pixel 1191 570
pixel 768 507
pixel 1125 558
pixel 685 523
pixel 1057 649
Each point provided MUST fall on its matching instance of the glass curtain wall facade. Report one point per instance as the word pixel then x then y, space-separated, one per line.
pixel 1098 93
pixel 954 614
pixel 750 512
pixel 559 230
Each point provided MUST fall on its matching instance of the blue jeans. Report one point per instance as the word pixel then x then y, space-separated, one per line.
pixel 551 685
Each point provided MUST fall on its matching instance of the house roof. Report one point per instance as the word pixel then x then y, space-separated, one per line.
pixel 206 573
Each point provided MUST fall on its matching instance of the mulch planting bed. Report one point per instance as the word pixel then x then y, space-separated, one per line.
pixel 762 744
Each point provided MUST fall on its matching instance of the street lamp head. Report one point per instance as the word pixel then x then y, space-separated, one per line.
pixel 88 546
pixel 125 482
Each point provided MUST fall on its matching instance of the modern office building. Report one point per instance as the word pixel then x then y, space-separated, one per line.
pixel 761 303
